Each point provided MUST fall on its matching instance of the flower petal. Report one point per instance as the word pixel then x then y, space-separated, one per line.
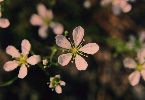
pixel 10 65
pixel 11 50
pixel 141 55
pixel 134 78
pixel 23 71
pixel 25 46
pixel 33 60
pixel 64 59
pixel 127 8
pixel 42 11
pixel 43 31
pixel 1 0
pixel 36 20
pixel 81 64
pixel 78 34
pixel 90 48
pixel 129 63
pixel 62 83
pixel 62 42
pixel 57 28
pixel 58 89
pixel 4 23
pixel 49 14
pixel 143 74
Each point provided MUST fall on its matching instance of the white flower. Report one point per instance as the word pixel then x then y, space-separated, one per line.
pixel 75 49
pixel 21 59
pixel 56 83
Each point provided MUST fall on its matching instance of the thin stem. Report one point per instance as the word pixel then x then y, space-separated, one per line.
pixel 2 84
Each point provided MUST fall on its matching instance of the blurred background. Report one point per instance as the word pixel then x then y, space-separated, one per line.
pixel 119 35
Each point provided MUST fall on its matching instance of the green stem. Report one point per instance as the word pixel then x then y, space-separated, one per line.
pixel 8 82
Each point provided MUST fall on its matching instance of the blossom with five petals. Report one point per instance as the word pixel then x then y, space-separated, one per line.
pixel 75 49
pixel 56 83
pixel 44 20
pixel 21 59
pixel 138 66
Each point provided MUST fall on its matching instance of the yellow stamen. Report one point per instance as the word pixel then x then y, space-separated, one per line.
pixel 22 59
pixel 139 67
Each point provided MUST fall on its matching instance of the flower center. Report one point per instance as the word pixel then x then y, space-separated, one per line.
pixel 74 50
pixel 22 59
pixel 55 82
pixel 46 21
pixel 139 67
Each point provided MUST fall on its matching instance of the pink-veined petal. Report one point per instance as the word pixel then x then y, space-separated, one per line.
pixel 141 55
pixel 78 34
pixel 62 42
pixel 36 20
pixel 33 60
pixel 80 62
pixel 134 78
pixel 90 48
pixel 58 89
pixel 129 63
pixel 23 71
pixel 25 46
pixel 42 11
pixel 11 50
pixel 43 31
pixel 57 28
pixel 143 74
pixel 64 59
pixel 4 23
pixel 11 65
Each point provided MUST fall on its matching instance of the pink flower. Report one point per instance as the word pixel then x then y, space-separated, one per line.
pixel 118 5
pixel 21 59
pixel 138 66
pixel 44 20
pixel 1 1
pixel 75 49
pixel 4 23
pixel 56 83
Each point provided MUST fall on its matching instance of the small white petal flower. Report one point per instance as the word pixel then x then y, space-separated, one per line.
pixel 56 83
pixel 21 59
pixel 75 49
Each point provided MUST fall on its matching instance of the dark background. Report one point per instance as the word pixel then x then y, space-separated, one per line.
pixel 105 78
